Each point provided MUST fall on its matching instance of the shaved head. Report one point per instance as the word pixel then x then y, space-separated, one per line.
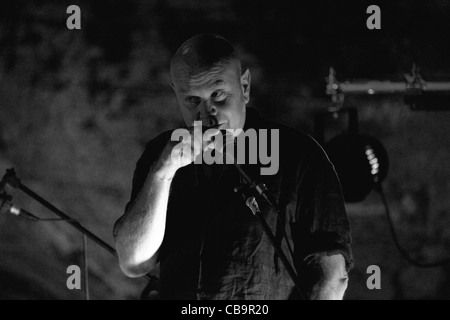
pixel 201 53
pixel 208 82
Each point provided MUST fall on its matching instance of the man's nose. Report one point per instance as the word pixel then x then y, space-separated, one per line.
pixel 209 109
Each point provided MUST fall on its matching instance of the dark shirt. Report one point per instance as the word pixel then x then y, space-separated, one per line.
pixel 214 248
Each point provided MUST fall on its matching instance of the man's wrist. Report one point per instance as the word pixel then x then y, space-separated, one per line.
pixel 165 173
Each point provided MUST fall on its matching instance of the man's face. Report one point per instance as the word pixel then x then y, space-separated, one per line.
pixel 220 92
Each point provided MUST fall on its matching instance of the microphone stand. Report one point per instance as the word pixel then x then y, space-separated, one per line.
pixel 251 187
pixel 11 179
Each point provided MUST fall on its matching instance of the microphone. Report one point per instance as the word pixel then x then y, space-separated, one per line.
pixel 5 199
pixel 6 205
pixel 210 122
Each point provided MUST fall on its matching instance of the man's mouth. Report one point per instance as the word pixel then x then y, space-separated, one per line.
pixel 210 122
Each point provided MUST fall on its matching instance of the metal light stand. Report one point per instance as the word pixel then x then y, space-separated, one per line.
pixel 418 93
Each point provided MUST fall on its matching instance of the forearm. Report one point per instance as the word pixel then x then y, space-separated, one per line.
pixel 330 278
pixel 331 289
pixel 140 232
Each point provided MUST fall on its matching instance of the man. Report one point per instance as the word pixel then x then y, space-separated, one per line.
pixel 187 219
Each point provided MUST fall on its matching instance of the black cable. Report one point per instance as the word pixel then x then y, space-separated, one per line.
pixel 404 252
pixel 291 252
pixel 32 217
pixel 11 179
pixel 36 219
pixel 265 194
pixel 253 205
pixel 86 268
pixel 54 219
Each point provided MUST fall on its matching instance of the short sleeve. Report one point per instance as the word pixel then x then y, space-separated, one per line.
pixel 320 214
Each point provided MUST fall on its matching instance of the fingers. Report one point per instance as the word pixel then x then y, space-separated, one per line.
pixel 210 133
pixel 217 139
pixel 202 140
pixel 194 142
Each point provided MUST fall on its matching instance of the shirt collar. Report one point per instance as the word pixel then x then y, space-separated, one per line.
pixel 252 119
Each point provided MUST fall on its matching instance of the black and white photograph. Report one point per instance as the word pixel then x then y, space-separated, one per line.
pixel 224 150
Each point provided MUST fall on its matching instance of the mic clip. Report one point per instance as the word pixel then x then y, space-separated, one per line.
pixel 244 190
pixel 11 179
pixel 5 202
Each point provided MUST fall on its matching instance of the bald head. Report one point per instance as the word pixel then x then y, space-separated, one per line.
pixel 208 82
pixel 201 53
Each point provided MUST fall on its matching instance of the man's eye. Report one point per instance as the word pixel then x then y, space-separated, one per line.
pixel 218 95
pixel 192 101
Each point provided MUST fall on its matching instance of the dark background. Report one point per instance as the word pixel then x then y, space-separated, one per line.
pixel 78 106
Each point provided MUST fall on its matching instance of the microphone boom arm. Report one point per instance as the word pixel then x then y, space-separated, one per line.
pixel 11 179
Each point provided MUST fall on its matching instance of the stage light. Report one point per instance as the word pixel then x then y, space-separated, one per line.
pixel 360 161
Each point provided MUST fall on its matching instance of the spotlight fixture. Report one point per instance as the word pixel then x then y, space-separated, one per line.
pixel 361 161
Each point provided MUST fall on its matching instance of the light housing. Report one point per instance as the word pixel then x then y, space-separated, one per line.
pixel 360 161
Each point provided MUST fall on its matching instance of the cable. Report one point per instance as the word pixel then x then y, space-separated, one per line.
pixel 264 194
pixel 403 252
pixel 253 205
pixel 374 161
pixel 12 180
pixel 291 252
pixel 32 217
pixel 29 216
pixel 86 268
pixel 8 207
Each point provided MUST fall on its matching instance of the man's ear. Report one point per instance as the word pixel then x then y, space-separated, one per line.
pixel 245 83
